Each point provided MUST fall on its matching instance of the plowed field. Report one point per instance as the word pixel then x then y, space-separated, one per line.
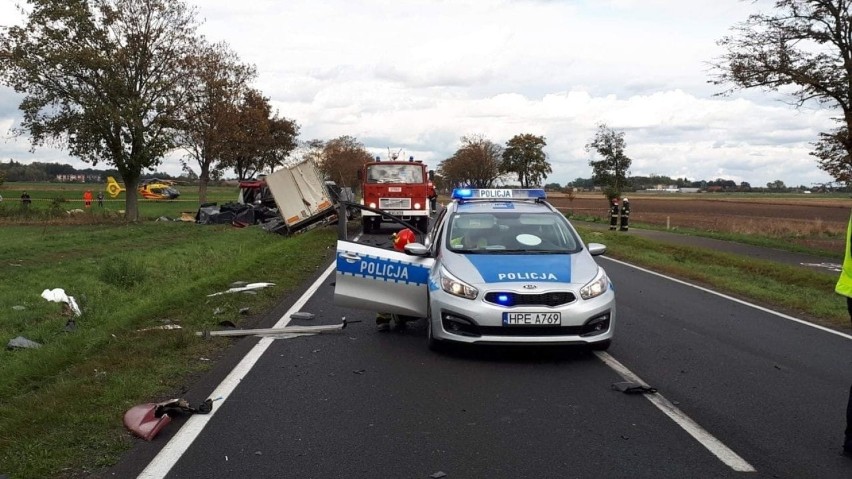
pixel 809 221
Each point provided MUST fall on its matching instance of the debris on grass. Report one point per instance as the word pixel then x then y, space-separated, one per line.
pixel 248 287
pixel 58 295
pixel 22 343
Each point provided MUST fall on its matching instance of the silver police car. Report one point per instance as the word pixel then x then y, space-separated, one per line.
pixel 499 266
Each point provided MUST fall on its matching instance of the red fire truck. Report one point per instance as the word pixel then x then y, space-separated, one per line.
pixel 401 188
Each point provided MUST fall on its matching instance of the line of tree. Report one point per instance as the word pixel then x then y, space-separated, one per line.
pixel 125 83
pixel 482 163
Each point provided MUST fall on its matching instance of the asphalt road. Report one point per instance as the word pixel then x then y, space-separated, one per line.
pixel 765 393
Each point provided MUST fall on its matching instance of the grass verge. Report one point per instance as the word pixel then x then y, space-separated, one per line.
pixel 61 404
pixel 799 291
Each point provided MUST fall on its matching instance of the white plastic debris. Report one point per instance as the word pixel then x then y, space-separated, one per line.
pixel 248 287
pixel 58 295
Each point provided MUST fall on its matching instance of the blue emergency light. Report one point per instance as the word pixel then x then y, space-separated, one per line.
pixel 498 194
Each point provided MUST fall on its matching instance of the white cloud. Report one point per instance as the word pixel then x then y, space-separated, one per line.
pixel 420 74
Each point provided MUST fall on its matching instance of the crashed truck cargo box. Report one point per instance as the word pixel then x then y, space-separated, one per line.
pixel 300 195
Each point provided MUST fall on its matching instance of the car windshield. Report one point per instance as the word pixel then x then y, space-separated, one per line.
pixel 395 173
pixel 525 233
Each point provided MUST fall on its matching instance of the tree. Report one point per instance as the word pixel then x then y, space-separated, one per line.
pixel 342 158
pixel 475 164
pixel 776 185
pixel 612 169
pixel 103 78
pixel 804 48
pixel 257 139
pixel 524 155
pixel 216 85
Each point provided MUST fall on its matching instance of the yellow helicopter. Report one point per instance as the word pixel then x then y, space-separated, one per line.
pixel 152 189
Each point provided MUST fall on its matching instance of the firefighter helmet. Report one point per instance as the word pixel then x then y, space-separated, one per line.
pixel 402 238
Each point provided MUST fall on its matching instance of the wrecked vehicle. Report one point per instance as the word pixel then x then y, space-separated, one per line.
pixel 286 201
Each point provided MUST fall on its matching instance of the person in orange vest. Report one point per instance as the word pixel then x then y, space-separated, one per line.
pixel 87 198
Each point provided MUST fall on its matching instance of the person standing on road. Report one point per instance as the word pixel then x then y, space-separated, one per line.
pixel 383 320
pixel 844 287
pixel 613 215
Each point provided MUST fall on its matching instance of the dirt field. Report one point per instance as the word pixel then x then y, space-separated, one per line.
pixel 809 221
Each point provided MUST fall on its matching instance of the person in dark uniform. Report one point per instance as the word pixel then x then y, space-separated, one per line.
pixel 613 214
pixel 26 200
pixel 844 287
pixel 625 213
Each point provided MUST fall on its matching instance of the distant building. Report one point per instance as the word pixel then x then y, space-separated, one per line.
pixel 78 178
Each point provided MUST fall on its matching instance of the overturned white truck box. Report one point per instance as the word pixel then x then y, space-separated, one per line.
pixel 300 195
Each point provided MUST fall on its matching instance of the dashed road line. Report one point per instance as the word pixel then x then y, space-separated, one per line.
pixel 715 446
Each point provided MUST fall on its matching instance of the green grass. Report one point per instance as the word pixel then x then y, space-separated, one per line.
pixel 52 201
pixel 61 405
pixel 805 293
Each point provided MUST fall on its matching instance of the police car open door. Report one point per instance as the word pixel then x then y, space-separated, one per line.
pixel 381 280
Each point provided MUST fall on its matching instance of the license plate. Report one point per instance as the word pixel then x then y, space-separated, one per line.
pixel 532 319
pixel 395 189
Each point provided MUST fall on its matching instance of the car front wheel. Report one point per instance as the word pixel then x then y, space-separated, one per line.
pixel 433 343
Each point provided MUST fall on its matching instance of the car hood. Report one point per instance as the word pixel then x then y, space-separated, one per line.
pixel 490 269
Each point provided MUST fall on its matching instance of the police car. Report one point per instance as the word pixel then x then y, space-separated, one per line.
pixel 499 266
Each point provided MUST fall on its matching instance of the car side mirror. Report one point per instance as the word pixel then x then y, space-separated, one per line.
pixel 596 249
pixel 416 249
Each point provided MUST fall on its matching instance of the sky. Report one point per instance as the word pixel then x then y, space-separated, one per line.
pixel 419 75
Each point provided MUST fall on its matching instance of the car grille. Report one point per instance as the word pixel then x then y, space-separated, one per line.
pixel 395 203
pixel 556 298
pixel 529 330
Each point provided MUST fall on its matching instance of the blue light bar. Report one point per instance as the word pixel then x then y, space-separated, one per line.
pixel 497 194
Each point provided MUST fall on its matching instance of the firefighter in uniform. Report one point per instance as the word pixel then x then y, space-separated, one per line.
pixel 613 214
pixel 400 239
pixel 844 287
pixel 625 213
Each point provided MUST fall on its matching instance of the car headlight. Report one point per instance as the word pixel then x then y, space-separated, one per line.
pixel 595 287
pixel 455 286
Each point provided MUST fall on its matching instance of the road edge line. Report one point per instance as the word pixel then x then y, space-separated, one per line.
pixel 715 446
pixel 731 298
pixel 168 456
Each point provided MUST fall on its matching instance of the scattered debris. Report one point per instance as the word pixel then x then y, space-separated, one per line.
pixel 147 420
pixel 244 310
pixel 359 371
pixel 227 324
pixel 248 287
pixel 165 326
pixel 438 475
pixel 19 308
pixel 633 388
pixel 218 311
pixel 58 295
pixel 302 315
pixel 22 343
pixel 70 325
pixel 279 333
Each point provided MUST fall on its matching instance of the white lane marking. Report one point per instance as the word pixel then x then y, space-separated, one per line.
pixel 731 298
pixel 171 452
pixel 725 454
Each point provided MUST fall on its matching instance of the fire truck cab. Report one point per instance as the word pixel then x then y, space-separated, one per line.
pixel 401 188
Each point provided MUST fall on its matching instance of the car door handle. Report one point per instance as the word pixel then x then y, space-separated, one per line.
pixel 350 257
